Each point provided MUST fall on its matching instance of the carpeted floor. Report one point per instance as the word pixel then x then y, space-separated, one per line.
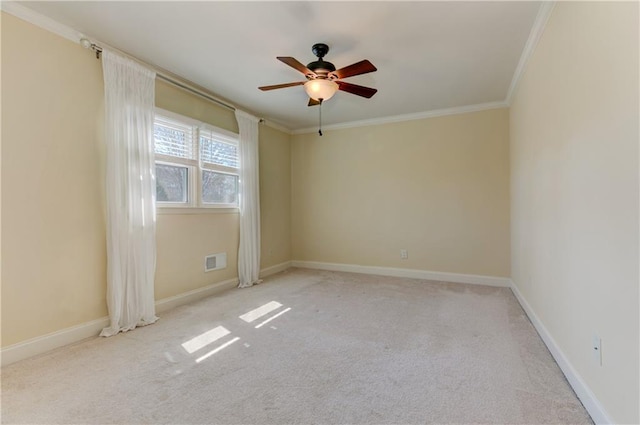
pixel 339 348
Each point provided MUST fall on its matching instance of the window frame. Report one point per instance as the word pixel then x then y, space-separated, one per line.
pixel 196 166
pixel 190 189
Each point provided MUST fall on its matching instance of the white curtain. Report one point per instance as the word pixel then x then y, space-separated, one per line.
pixel 131 245
pixel 249 250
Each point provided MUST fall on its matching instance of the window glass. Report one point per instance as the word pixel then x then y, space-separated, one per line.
pixel 172 183
pixel 219 188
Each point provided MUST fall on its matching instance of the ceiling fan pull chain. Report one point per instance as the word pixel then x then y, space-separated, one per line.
pixel 320 123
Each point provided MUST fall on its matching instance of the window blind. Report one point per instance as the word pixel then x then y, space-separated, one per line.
pixel 173 138
pixel 218 151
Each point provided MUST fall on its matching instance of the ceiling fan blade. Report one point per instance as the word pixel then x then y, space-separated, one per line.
pixel 358 68
pixel 313 102
pixel 295 64
pixel 356 89
pixel 281 86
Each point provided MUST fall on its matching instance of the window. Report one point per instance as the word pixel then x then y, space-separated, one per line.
pixel 219 163
pixel 196 164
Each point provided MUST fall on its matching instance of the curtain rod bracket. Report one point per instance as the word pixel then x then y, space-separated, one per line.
pixel 87 44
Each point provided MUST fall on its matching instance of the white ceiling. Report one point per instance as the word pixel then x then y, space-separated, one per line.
pixel 429 55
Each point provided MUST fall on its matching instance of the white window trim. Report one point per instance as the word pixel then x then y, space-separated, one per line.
pixel 195 211
pixel 211 205
pixel 191 190
pixel 195 166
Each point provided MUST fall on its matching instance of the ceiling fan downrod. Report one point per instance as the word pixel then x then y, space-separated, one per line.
pixel 320 119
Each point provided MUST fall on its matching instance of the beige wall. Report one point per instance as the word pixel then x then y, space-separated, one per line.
pixel 574 159
pixel 183 240
pixel 437 187
pixel 275 196
pixel 53 219
pixel 174 99
pixel 0 180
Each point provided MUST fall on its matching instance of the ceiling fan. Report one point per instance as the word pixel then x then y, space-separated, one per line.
pixel 323 80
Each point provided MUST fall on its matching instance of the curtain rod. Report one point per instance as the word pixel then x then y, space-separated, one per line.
pixel 193 90
pixel 162 75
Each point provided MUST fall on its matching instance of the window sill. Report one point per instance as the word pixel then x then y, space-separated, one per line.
pixel 195 210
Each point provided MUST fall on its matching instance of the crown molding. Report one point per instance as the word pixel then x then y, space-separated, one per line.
pixel 532 42
pixel 407 117
pixel 19 11
pixel 276 125
pixel 16 9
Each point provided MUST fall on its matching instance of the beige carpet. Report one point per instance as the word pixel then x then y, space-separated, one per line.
pixel 351 349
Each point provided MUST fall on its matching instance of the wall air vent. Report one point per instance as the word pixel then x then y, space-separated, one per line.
pixel 215 262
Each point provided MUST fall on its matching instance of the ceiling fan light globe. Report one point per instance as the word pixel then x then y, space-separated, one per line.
pixel 320 89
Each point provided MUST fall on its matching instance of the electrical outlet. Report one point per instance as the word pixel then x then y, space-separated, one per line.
pixel 596 347
pixel 404 254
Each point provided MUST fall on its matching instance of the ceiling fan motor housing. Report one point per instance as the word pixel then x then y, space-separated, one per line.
pixel 320 67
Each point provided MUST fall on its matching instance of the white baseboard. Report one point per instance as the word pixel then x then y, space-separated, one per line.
pixel 194 295
pixel 42 344
pixel 582 390
pixel 268 271
pixel 504 282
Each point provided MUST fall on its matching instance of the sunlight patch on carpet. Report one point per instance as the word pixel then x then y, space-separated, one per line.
pixel 205 339
pixel 260 311
pixel 212 352
pixel 272 317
